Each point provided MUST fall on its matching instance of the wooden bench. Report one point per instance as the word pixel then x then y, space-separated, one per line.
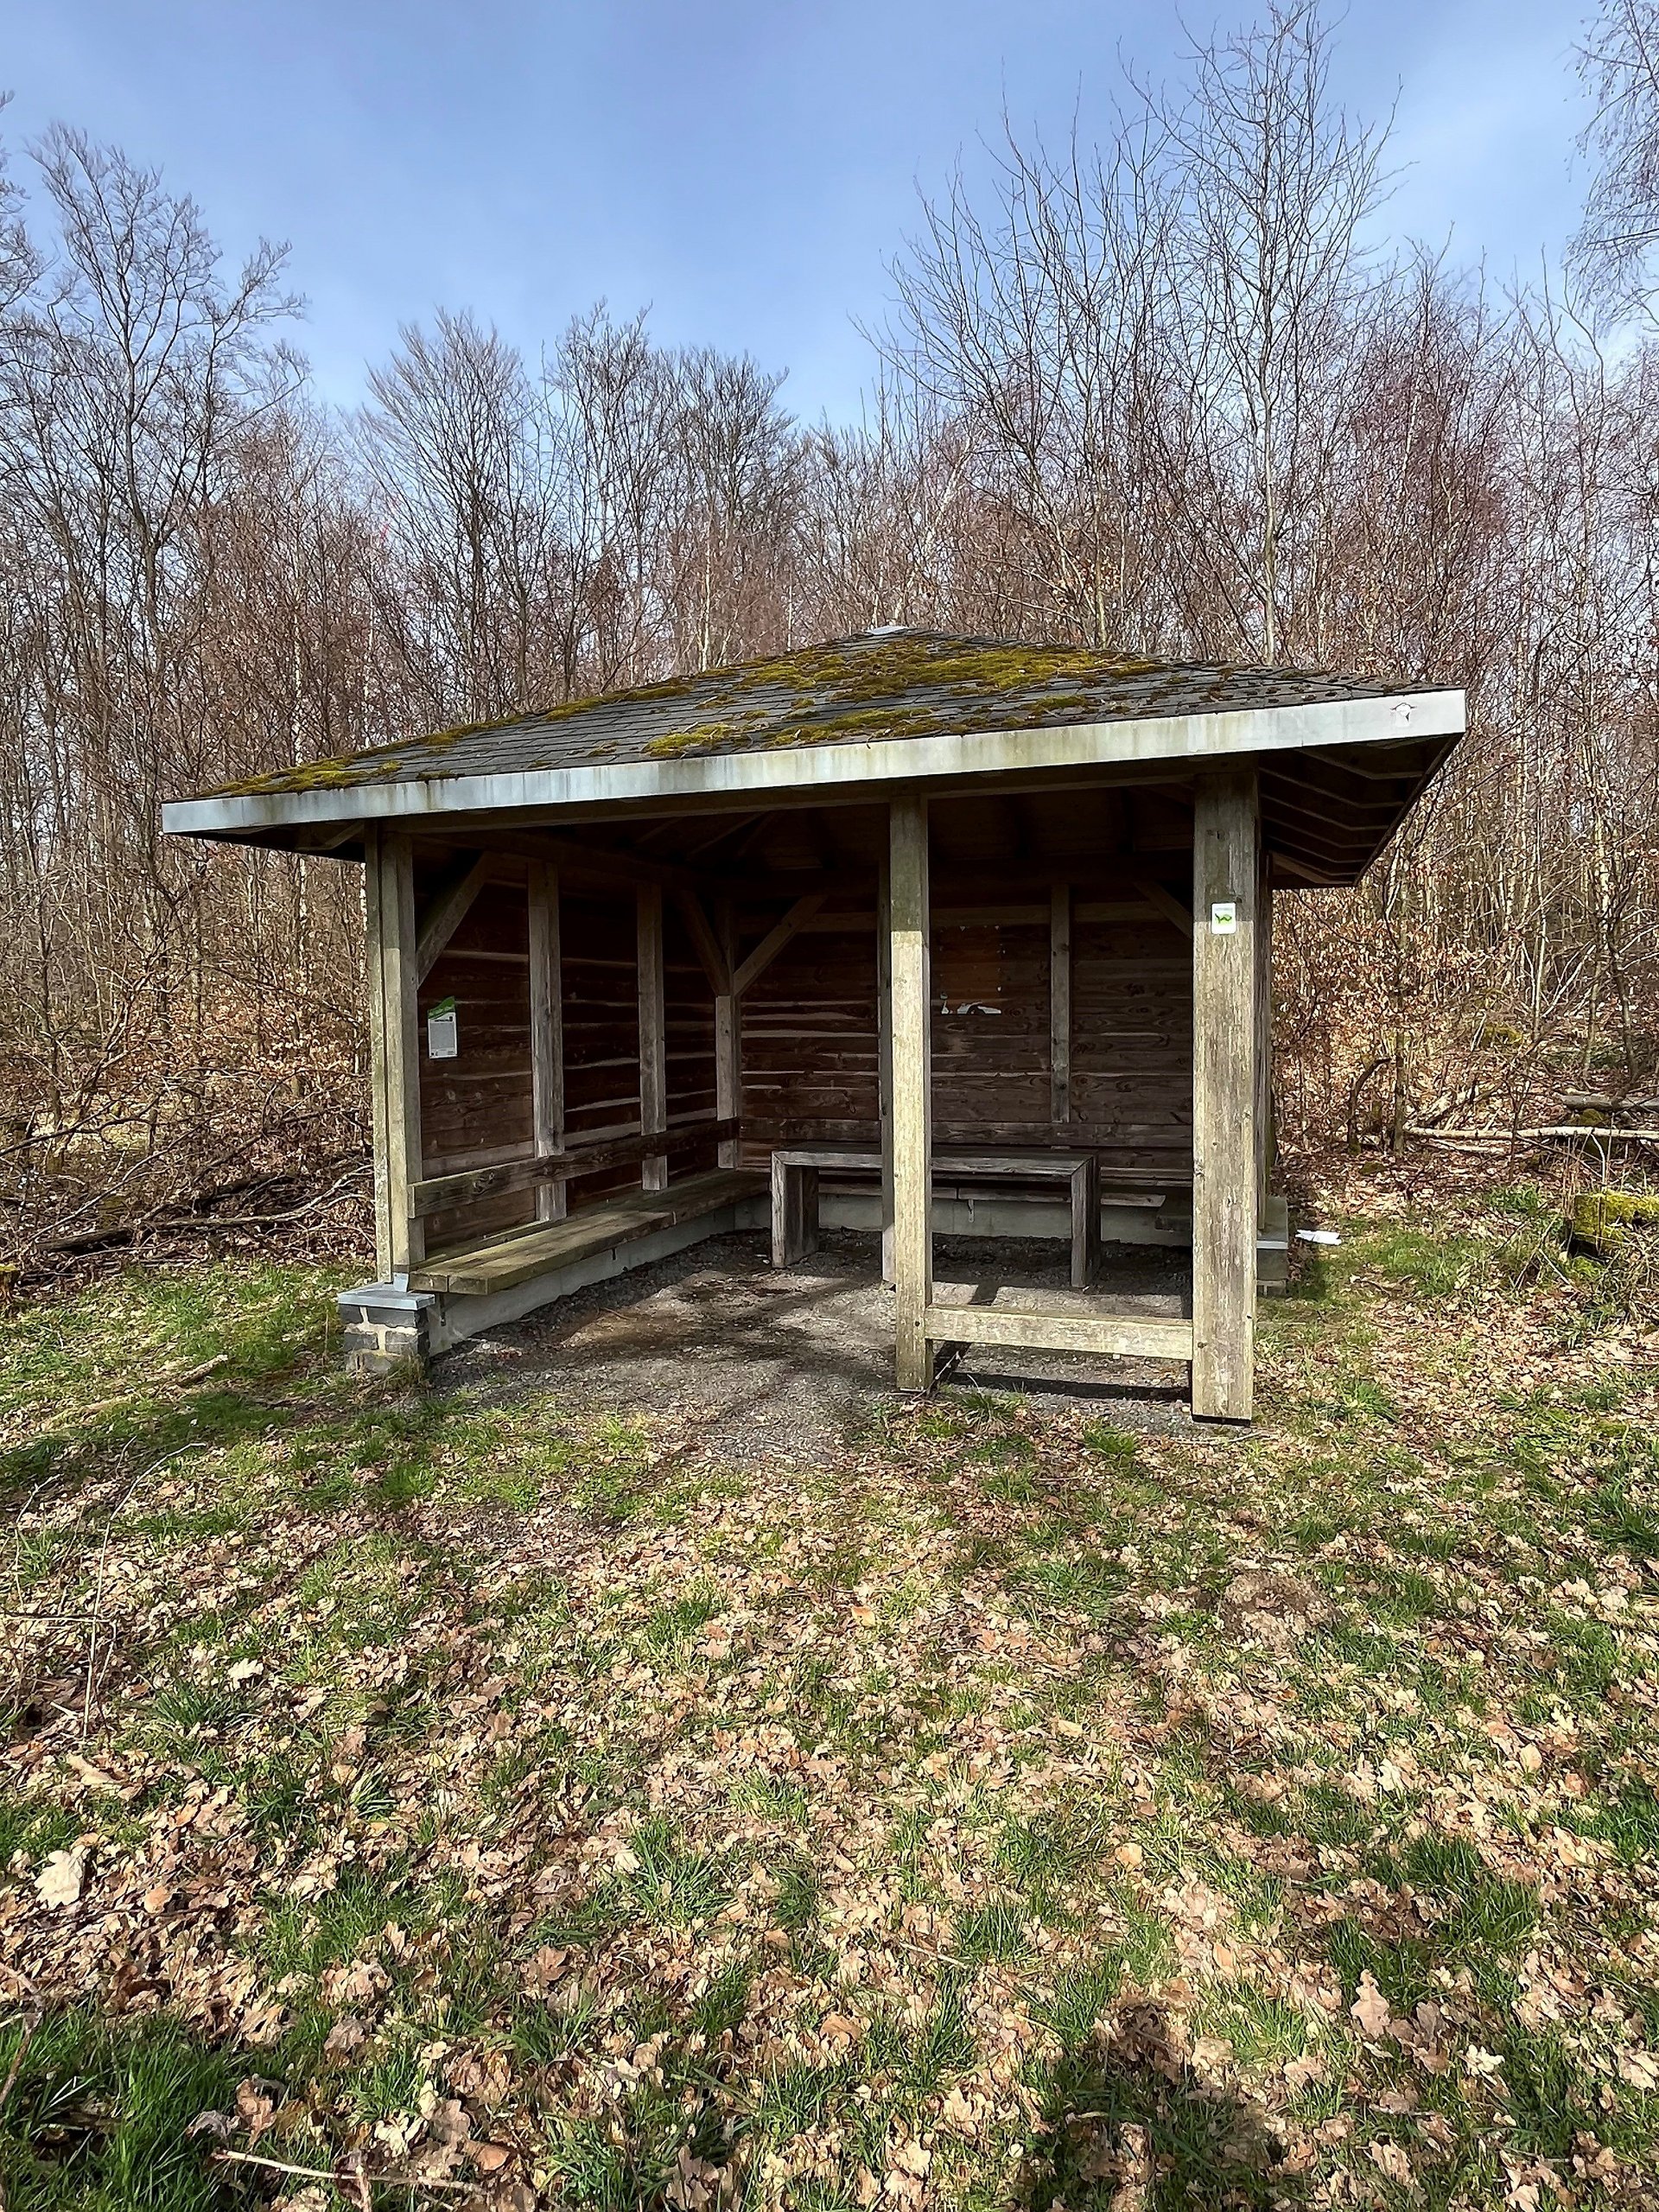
pixel 795 1170
pixel 509 1257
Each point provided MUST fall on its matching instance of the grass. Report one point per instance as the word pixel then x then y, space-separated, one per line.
pixel 916 1820
pixel 98 2112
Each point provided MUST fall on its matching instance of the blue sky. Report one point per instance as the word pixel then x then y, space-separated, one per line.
pixel 745 168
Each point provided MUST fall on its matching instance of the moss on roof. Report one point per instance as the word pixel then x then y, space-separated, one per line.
pixel 887 684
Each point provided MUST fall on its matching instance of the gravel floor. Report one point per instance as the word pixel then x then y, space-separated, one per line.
pixel 793 1362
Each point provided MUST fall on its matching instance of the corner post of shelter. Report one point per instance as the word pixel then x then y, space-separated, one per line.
pixel 884 1049
pixel 1226 1058
pixel 1267 1135
pixel 546 1032
pixel 909 996
pixel 394 1046
pixel 653 1062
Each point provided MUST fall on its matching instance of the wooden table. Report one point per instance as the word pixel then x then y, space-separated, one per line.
pixel 796 1169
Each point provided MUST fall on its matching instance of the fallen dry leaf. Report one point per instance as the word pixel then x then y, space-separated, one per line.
pixel 62 1878
pixel 1370 2008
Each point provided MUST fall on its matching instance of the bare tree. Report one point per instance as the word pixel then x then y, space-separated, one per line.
pixel 1156 394
pixel 1614 248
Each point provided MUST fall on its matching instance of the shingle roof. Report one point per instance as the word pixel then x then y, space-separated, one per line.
pixel 889 684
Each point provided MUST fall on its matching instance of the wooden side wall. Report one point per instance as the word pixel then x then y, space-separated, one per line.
pixel 475 1109
pixel 810 1041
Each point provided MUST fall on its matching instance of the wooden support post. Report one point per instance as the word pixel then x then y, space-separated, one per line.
pixel 794 1211
pixel 1266 1134
pixel 1059 1005
pixel 728 1069
pixel 546 1032
pixel 728 1046
pixel 394 1044
pixel 1226 897
pixel 1085 1223
pixel 373 984
pixel 884 1056
pixel 909 995
pixel 653 1063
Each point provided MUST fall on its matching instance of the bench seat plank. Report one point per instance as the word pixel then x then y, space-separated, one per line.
pixel 507 1260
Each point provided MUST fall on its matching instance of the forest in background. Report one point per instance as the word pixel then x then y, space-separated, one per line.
pixel 1175 392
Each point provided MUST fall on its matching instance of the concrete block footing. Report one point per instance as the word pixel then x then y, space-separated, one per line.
pixel 386 1327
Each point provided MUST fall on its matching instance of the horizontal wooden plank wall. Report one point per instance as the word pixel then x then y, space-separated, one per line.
pixel 810 1040
pixel 477 1108
pixel 689 1006
pixel 1132 1043
pixel 810 1044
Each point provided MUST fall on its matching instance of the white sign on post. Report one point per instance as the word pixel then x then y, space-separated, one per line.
pixel 442 1042
pixel 1223 917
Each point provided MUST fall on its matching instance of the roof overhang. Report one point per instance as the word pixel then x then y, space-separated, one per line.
pixel 837 773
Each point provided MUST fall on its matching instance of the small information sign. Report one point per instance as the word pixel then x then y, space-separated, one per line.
pixel 442 1043
pixel 1223 917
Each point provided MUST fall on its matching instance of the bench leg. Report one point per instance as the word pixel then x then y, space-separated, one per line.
pixel 1085 1224
pixel 794 1213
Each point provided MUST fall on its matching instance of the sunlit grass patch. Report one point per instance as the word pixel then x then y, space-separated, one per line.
pixel 35 1826
pixel 1623 1522
pixel 771 1797
pixel 1084 1585
pixel 673 1626
pixel 1585 1657
pixel 154 1362
pixel 1046 1850
pixel 1427 1263
pixel 304 1936
pixel 1010 1448
pixel 1551 2102
pixel 916 2057
pixel 282 1796
pixel 1406 1597
pixel 611 1470
pixel 1264 2032
pixel 185 1710
pixel 751 1807
pixel 95 2113
pixel 666 1879
pixel 1114 1447
pixel 1481 1910
pixel 1078 1998
pixel 1357 1398
pixel 994 1930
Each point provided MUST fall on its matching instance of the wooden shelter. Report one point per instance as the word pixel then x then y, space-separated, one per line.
pixel 908 930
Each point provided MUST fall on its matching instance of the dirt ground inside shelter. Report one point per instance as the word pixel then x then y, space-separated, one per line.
pixel 794 1357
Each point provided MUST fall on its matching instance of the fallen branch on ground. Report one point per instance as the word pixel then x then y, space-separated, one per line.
pixel 195 1225
pixel 1610 1136
pixel 340 2181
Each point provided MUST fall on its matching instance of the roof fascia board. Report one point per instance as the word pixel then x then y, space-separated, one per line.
pixel 843 770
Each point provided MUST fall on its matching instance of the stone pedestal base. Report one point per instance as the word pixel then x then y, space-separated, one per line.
pixel 385 1328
